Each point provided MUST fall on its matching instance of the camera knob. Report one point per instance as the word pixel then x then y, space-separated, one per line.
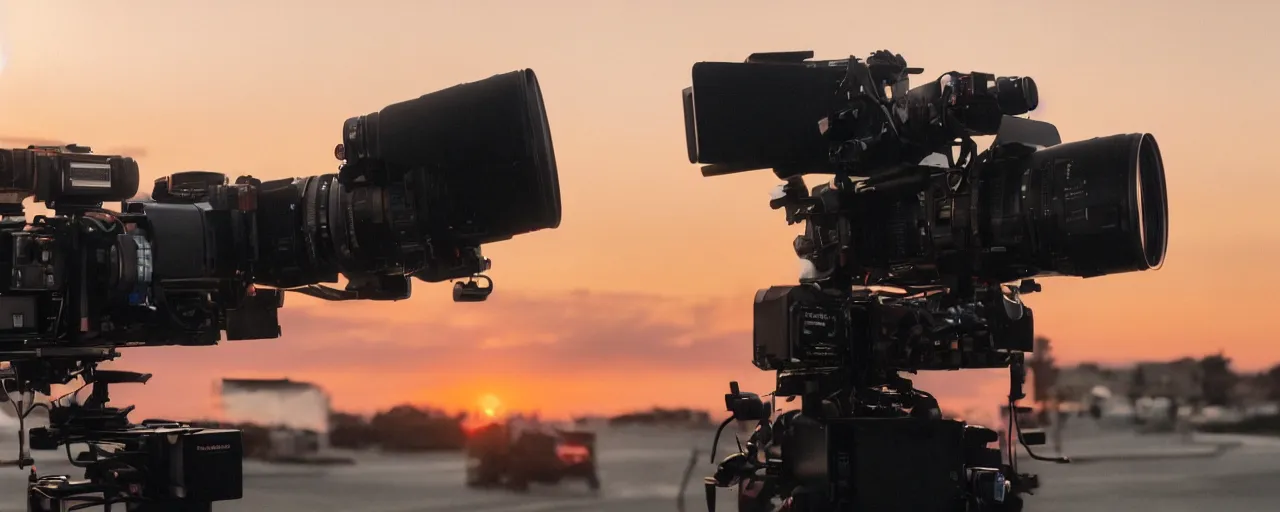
pixel 803 246
pixel 195 181
pixel 187 186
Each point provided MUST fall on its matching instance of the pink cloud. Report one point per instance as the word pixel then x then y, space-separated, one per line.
pixel 565 353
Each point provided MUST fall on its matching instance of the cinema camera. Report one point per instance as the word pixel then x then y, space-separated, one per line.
pixel 910 249
pixel 422 185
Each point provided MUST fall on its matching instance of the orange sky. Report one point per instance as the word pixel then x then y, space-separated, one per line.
pixel 643 295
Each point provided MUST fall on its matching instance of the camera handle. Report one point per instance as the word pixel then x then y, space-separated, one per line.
pixel 100 379
pixel 471 291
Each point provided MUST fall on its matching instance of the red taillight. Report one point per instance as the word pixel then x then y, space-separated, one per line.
pixel 573 454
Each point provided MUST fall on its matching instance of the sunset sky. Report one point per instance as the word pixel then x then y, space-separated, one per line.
pixel 643 295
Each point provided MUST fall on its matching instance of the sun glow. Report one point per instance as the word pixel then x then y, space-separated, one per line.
pixel 490 405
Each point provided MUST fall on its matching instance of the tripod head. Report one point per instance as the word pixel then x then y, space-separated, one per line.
pixel 81 421
pixel 77 421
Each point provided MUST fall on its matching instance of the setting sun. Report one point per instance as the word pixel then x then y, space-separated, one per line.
pixel 490 404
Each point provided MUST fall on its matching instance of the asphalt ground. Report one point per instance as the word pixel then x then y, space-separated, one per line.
pixel 641 470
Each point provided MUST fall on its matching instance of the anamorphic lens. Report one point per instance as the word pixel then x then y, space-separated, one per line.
pixel 424 182
pixel 1086 208
pixel 477 157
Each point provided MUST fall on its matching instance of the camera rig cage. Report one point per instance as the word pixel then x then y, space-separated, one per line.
pixel 422 185
pixel 917 252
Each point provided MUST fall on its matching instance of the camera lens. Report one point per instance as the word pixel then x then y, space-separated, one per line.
pixel 1030 92
pixel 1086 208
pixel 360 137
pixel 1016 95
pixel 478 158
pixel 468 165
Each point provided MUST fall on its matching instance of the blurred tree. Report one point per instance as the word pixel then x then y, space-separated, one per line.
pixel 408 428
pixel 1044 370
pixel 1218 380
pixel 350 431
pixel 661 416
pixel 1273 382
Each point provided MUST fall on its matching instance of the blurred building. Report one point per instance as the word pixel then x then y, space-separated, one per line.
pixel 664 417
pixel 1182 380
pixel 278 404
pixel 1252 390
pixel 1076 382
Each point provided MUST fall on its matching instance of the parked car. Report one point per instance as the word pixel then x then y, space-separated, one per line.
pixel 498 455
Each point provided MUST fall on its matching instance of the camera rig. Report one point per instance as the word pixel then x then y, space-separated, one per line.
pixel 422 185
pixel 917 252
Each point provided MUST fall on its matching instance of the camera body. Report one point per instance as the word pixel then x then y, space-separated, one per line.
pixel 172 270
pixel 160 464
pixel 803 328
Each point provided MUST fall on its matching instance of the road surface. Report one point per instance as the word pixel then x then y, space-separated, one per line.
pixel 641 471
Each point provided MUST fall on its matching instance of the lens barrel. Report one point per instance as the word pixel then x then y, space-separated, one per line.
pixel 295 239
pixel 478 157
pixel 1016 95
pixel 454 169
pixel 1088 208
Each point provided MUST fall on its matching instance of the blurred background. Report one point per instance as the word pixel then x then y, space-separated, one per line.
pixel 632 317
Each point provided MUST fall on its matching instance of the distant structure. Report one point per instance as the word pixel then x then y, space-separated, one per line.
pixel 276 403
pixel 1254 390
pixel 1181 380
pixel 664 417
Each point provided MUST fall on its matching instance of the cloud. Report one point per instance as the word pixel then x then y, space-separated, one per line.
pixel 565 353
pixel 373 354
pixel 571 331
